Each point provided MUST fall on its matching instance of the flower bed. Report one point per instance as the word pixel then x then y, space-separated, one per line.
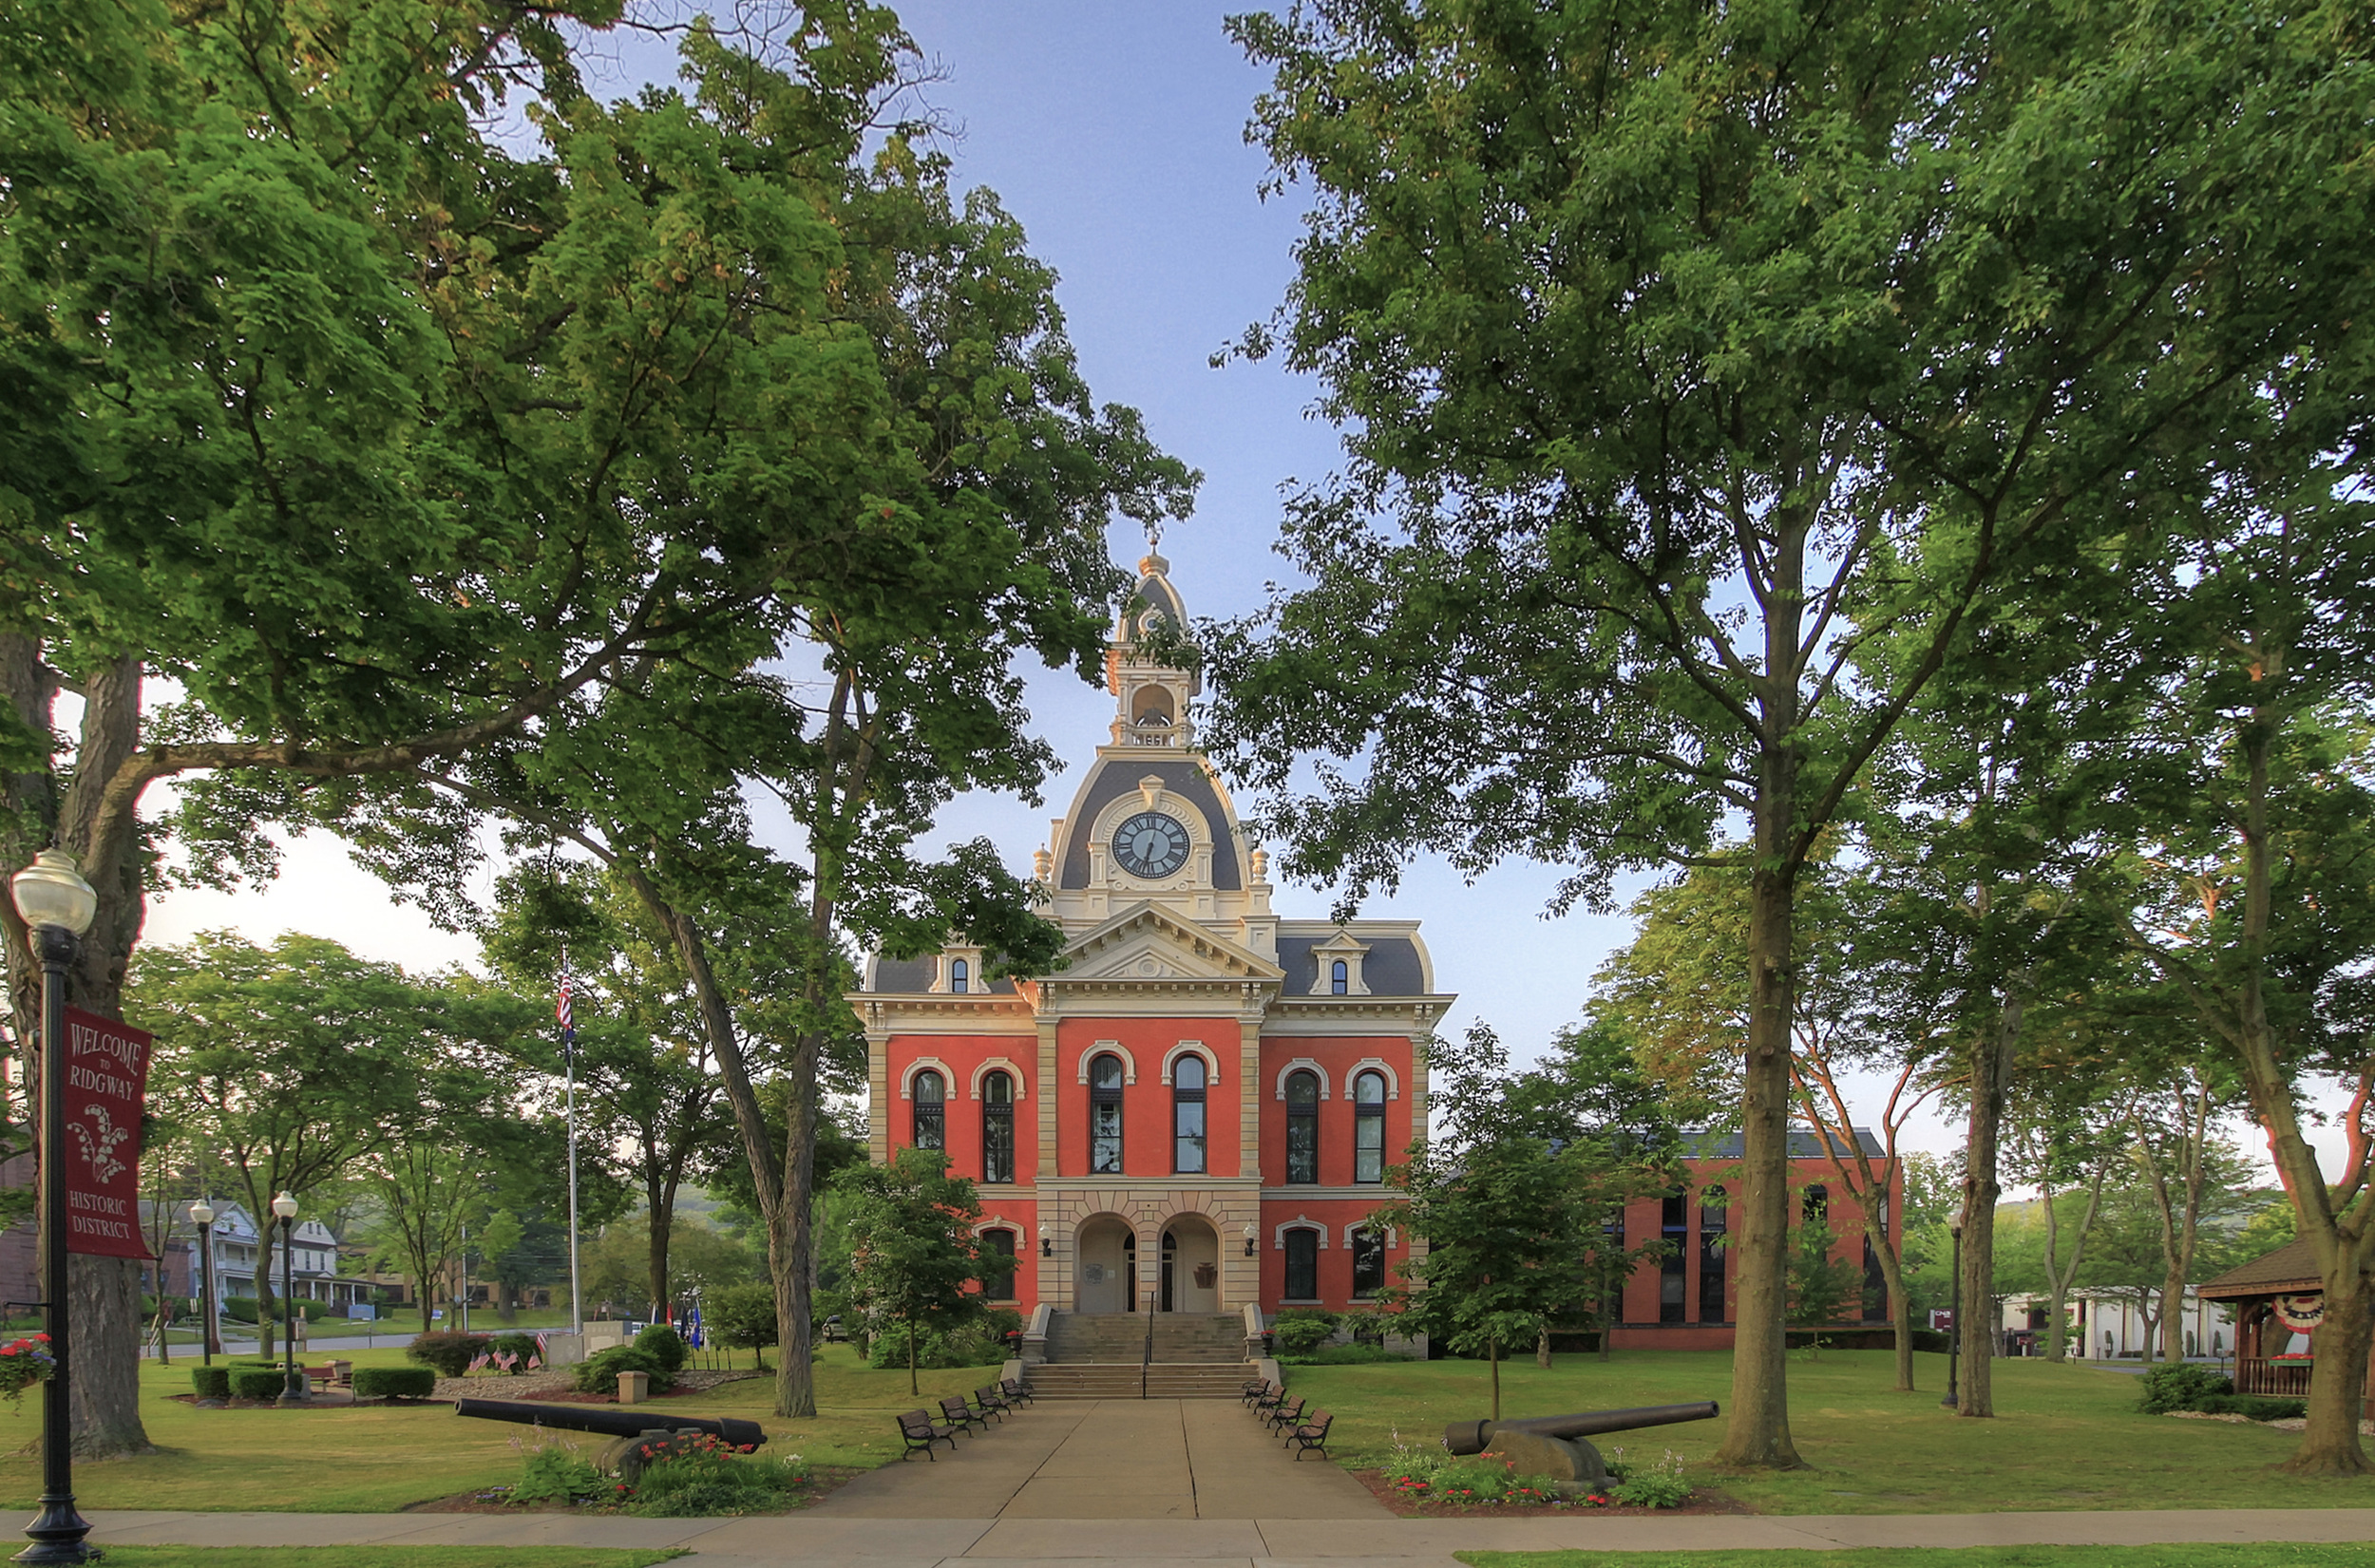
pixel 1429 1482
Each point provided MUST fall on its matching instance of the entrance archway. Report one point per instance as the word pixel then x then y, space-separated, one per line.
pixel 1104 1265
pixel 1192 1266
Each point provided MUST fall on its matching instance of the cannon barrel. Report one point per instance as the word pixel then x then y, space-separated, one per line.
pixel 1475 1437
pixel 610 1421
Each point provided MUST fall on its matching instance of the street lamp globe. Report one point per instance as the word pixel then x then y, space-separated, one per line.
pixel 201 1213
pixel 285 1206
pixel 51 892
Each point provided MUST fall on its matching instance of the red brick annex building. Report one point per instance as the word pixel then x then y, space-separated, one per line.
pixel 1196 1113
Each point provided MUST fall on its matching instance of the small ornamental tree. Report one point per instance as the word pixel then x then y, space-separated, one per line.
pixel 914 1259
pixel 1820 1285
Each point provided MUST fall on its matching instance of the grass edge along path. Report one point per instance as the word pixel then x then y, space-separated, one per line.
pixel 2064 1438
pixel 2219 1554
pixel 387 1557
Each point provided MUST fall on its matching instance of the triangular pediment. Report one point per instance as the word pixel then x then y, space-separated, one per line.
pixel 1146 942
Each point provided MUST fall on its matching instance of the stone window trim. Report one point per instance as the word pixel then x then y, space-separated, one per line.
pixel 999 1222
pixel 998 1064
pixel 1393 1234
pixel 1301 1222
pixel 1194 1048
pixel 1377 1064
pixel 943 980
pixel 1110 1048
pixel 1306 1065
pixel 1340 948
pixel 922 1063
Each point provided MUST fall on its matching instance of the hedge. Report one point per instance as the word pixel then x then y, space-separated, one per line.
pixel 244 1309
pixel 598 1373
pixel 211 1382
pixel 394 1382
pixel 665 1346
pixel 449 1352
pixel 257 1382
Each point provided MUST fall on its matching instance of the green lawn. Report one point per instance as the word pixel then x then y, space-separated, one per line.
pixel 2192 1554
pixel 380 1459
pixel 384 1557
pixel 2067 1437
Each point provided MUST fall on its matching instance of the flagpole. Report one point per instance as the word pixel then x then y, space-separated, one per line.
pixel 569 1057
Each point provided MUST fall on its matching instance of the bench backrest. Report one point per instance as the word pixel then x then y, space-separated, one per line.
pixel 916 1423
pixel 1317 1424
pixel 954 1408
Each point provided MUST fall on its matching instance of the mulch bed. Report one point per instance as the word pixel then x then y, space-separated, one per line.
pixel 825 1480
pixel 1702 1500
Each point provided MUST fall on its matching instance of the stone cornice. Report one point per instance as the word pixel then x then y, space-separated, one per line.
pixel 885 1013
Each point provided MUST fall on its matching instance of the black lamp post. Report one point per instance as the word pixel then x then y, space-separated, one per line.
pixel 59 906
pixel 284 1213
pixel 1954 1339
pixel 202 1215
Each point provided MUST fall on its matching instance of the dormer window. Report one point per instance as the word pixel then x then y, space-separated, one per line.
pixel 959 977
pixel 1339 978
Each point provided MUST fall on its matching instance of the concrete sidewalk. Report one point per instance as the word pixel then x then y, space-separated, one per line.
pixel 815 1541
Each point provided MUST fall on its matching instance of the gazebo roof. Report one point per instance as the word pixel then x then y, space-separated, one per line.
pixel 2291 1267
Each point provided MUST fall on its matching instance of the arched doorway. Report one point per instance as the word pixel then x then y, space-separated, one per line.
pixel 1104 1265
pixel 1192 1266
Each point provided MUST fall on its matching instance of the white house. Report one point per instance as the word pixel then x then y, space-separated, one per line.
pixel 2106 1325
pixel 314 1263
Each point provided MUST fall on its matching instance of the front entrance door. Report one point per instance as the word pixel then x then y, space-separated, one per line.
pixel 1104 1265
pixel 1191 1268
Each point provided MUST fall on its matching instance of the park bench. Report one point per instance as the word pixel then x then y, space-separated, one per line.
pixel 1255 1388
pixel 920 1430
pixel 338 1374
pixel 992 1402
pixel 1265 1403
pixel 1311 1434
pixel 1285 1415
pixel 1016 1391
pixel 961 1415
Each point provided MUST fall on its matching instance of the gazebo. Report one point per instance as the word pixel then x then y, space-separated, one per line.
pixel 2275 1298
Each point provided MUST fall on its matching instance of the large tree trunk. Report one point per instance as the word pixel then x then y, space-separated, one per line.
pixel 1976 1328
pixel 1758 1434
pixel 1893 1276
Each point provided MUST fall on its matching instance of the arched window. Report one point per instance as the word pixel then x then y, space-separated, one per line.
pixel 1369 1128
pixel 998 1128
pixel 1817 1204
pixel 1339 978
pixel 931 1096
pixel 1368 1265
pixel 1105 1116
pixel 1187 1116
pixel 1303 1266
pixel 998 1283
pixel 1302 1128
pixel 960 975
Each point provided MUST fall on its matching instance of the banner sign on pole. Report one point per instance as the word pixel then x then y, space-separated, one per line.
pixel 106 1085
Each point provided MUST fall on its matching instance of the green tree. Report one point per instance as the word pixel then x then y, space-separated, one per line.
pixel 913 1259
pixel 1690 349
pixel 1820 1286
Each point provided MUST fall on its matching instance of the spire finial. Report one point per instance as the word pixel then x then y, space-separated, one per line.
pixel 1154 536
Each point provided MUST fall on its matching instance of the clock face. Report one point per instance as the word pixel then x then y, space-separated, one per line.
pixel 1150 845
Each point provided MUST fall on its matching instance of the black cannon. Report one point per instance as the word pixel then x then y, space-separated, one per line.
pixel 611 1422
pixel 1555 1445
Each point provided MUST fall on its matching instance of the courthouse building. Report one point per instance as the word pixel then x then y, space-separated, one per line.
pixel 1196 1113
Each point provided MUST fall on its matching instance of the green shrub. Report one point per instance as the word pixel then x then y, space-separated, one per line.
pixel 246 1309
pixel 1344 1355
pixel 2257 1406
pixel 555 1472
pixel 257 1382
pixel 1658 1489
pixel 2181 1386
pixel 979 1343
pixel 665 1346
pixel 743 1317
pixel 1300 1330
pixel 211 1382
pixel 598 1373
pixel 240 1309
pixel 520 1345
pixel 394 1382
pixel 450 1352
pixel 710 1479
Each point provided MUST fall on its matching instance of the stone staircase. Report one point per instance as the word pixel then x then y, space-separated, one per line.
pixel 1199 1355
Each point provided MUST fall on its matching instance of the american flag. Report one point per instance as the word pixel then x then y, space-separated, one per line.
pixel 560 1011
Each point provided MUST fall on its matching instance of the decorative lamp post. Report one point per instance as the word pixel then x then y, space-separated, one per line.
pixel 202 1215
pixel 1954 1338
pixel 59 906
pixel 1250 1234
pixel 284 1214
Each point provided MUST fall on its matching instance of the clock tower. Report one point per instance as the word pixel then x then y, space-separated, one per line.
pixel 1194 1115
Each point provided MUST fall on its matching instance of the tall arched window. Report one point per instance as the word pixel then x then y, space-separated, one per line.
pixel 960 975
pixel 1368 1265
pixel 1303 1266
pixel 1339 978
pixel 1302 1128
pixel 998 1128
pixel 997 1282
pixel 1187 1116
pixel 1105 1116
pixel 931 1096
pixel 1369 1128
